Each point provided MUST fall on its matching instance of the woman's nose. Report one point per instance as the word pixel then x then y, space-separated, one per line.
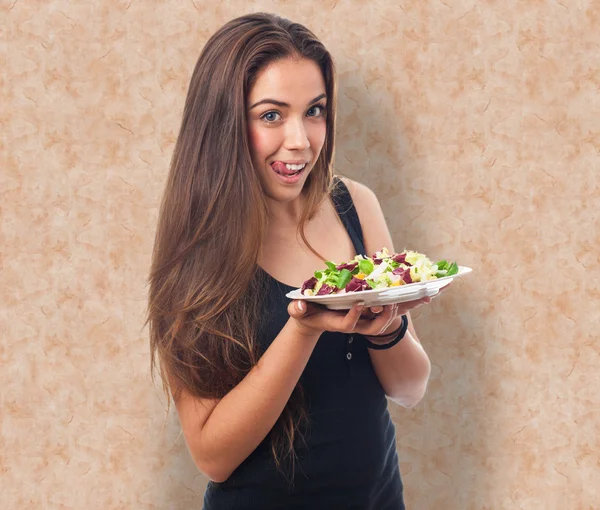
pixel 295 136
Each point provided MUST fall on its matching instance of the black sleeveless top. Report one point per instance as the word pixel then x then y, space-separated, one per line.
pixel 349 461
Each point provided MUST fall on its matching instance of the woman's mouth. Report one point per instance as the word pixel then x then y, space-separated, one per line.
pixel 289 173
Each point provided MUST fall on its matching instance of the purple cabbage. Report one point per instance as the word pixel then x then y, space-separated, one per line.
pixel 350 267
pixel 326 289
pixel 309 284
pixel 401 259
pixel 356 285
pixel 403 273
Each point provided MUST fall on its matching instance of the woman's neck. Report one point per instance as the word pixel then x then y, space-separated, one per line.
pixel 283 215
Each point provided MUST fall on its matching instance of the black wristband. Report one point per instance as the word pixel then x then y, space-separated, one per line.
pixel 399 335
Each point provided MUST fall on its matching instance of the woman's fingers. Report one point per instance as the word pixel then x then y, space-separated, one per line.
pixel 406 307
pixel 391 316
pixel 303 309
pixel 391 319
pixel 352 317
pixel 319 318
pixel 297 308
pixel 387 316
pixel 367 314
pixel 375 326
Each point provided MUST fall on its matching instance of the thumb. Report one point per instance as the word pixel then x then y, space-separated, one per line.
pixel 297 308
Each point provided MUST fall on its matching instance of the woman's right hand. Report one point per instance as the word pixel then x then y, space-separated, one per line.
pixel 312 320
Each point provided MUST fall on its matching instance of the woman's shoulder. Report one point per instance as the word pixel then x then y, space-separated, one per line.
pixel 365 200
pixel 370 214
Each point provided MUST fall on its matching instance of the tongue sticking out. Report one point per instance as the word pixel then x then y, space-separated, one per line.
pixel 280 168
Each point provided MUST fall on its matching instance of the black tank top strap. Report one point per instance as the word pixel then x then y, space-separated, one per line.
pixel 342 200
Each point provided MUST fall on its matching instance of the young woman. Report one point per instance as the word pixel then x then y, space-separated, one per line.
pixel 282 404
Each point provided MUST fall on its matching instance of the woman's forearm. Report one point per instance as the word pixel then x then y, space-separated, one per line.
pixel 403 370
pixel 244 417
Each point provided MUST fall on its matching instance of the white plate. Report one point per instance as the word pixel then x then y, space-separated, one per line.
pixel 378 297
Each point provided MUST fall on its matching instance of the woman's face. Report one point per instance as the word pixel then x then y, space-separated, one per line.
pixel 286 125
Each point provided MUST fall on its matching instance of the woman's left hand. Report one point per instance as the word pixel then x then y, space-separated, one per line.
pixel 391 313
pixel 386 315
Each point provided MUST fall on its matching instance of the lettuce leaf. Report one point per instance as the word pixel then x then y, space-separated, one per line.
pixel 331 265
pixel 343 279
pixel 366 266
pixel 446 268
pixel 452 269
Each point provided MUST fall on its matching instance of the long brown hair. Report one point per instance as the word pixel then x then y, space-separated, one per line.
pixel 204 284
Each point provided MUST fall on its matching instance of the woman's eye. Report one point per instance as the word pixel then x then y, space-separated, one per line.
pixel 270 116
pixel 320 111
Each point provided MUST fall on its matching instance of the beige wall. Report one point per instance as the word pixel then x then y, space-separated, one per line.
pixel 477 124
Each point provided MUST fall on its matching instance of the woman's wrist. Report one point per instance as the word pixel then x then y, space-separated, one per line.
pixel 388 340
pixel 299 330
pixel 392 331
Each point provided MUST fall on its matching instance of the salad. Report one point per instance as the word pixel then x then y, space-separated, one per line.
pixel 382 270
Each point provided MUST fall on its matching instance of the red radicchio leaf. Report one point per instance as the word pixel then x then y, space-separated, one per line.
pixel 309 284
pixel 356 285
pixel 325 289
pixel 349 267
pixel 403 273
pixel 401 259
pixel 377 261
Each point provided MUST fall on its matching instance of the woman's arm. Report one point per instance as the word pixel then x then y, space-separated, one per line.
pixel 404 369
pixel 220 434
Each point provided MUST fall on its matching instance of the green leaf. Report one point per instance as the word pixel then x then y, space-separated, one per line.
pixel 446 268
pixel 331 277
pixel 366 266
pixel 318 275
pixel 330 265
pixel 452 269
pixel 344 278
pixel 371 283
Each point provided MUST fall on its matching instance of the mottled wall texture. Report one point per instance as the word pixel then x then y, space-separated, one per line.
pixel 477 123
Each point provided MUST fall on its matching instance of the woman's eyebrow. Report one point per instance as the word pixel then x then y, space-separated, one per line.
pixel 282 104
